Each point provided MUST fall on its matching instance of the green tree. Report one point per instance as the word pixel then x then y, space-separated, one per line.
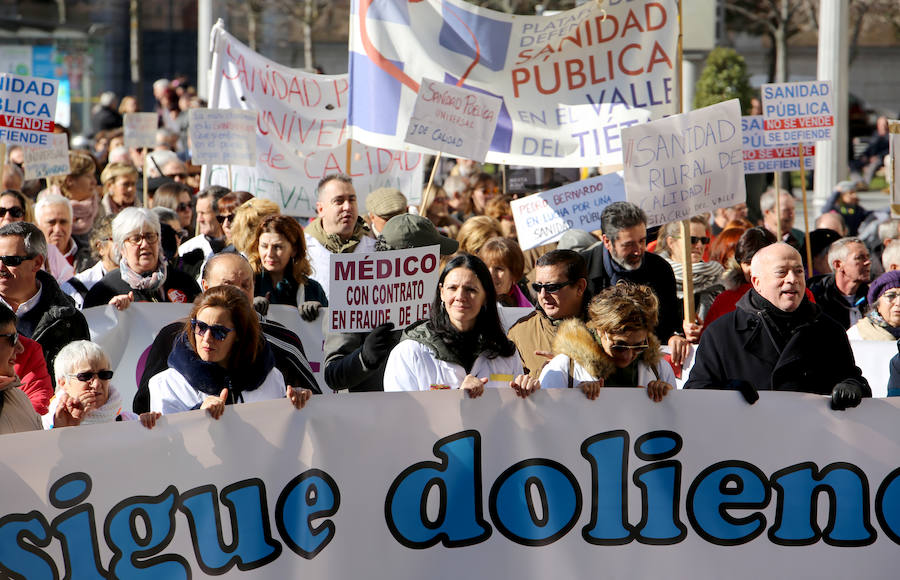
pixel 724 77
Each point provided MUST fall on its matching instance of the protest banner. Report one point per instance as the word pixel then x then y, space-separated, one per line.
pixel 27 109
pixel 762 158
pixel 453 120
pixel 366 290
pixel 686 164
pixel 301 132
pixel 226 136
pixel 140 129
pixel 569 82
pixel 435 485
pixel 48 161
pixel 544 217
pixel 801 112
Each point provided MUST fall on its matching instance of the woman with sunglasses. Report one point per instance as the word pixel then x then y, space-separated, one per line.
pixel 616 347
pixel 221 358
pixel 17 413
pixel 143 275
pixel 14 208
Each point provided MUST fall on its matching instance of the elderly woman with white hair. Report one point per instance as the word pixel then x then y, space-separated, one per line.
pixel 143 275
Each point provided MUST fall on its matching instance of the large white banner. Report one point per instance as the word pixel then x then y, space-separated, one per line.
pixel 301 133
pixel 569 82
pixel 435 485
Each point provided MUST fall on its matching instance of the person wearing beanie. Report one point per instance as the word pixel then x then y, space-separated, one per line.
pixel 383 204
pixel 882 322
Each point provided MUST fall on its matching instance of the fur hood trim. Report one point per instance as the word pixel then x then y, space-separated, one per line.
pixel 577 341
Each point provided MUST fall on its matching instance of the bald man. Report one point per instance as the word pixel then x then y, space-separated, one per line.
pixel 777 340
pixel 233 270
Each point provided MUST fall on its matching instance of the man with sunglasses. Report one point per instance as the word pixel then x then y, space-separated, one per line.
pixel 45 314
pixel 623 256
pixel 211 239
pixel 561 288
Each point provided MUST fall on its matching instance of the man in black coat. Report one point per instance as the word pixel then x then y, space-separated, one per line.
pixel 777 340
pixel 623 256
pixel 842 294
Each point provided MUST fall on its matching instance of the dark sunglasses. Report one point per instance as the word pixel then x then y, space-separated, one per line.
pixel 88 376
pixel 551 288
pixel 12 338
pixel 15 212
pixel 225 218
pixel 218 331
pixel 620 348
pixel 695 239
pixel 14 260
pixel 183 207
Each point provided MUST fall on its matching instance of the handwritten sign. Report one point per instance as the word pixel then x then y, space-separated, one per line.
pixel 27 109
pixel 798 112
pixel 371 289
pixel 686 164
pixel 226 136
pixel 543 218
pixel 48 161
pixel 453 120
pixel 762 158
pixel 140 129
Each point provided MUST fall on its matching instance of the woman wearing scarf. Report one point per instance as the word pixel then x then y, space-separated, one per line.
pixel 707 276
pixel 80 187
pixel 143 275
pixel 120 186
pixel 883 320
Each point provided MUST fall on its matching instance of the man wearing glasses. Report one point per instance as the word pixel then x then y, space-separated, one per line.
pixel 561 288
pixel 45 314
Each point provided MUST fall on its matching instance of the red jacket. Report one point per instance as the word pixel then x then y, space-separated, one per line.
pixel 32 371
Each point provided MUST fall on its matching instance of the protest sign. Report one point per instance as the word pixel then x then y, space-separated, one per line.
pixel 367 290
pixel 686 164
pixel 48 161
pixel 453 120
pixel 762 158
pixel 801 112
pixel 544 217
pixel 226 136
pixel 434 485
pixel 27 109
pixel 569 81
pixel 301 133
pixel 140 129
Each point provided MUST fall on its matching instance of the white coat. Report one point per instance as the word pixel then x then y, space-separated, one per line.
pixel 412 366
pixel 170 391
pixel 556 372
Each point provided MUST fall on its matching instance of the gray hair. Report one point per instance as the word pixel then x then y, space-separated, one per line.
pixel 891 255
pixel 620 215
pixel 130 220
pixel 157 160
pixel 76 352
pixel 888 230
pixel 32 236
pixel 46 199
pixel 767 199
pixel 838 249
pixel 108 98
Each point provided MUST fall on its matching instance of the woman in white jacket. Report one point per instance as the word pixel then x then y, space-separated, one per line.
pixel 617 346
pixel 462 344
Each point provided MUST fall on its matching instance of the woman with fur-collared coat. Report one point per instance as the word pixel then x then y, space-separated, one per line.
pixel 617 346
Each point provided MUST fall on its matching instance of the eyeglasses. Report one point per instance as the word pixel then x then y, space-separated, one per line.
pixel 12 338
pixel 696 240
pixel 218 331
pixel 620 348
pixel 889 296
pixel 183 207
pixel 14 212
pixel 88 376
pixel 14 260
pixel 551 288
pixel 135 239
pixel 225 218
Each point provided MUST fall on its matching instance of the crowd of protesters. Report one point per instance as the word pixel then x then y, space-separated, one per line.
pixel 606 307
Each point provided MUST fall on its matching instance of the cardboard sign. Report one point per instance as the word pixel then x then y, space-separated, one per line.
pixel 686 164
pixel 544 217
pixel 367 290
pixel 48 161
pixel 27 109
pixel 798 112
pixel 454 120
pixel 762 158
pixel 140 129
pixel 226 136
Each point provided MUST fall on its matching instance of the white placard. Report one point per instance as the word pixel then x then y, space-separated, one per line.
pixel 27 109
pixel 48 161
pixel 801 112
pixel 762 158
pixel 140 129
pixel 226 136
pixel 454 120
pixel 686 164
pixel 367 290
pixel 544 217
